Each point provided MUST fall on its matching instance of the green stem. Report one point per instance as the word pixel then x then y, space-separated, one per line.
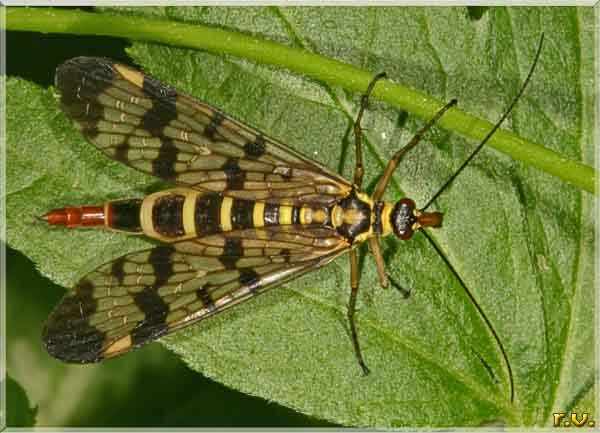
pixel 318 67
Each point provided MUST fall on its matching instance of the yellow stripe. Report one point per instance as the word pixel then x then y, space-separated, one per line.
pixel 121 345
pixel 305 215
pixel 258 214
pixel 285 215
pixel 226 213
pixel 189 210
pixel 386 227
pixel 131 75
pixel 146 216
pixel 337 215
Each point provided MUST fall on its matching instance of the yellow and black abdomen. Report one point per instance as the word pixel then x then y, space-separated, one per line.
pixel 182 213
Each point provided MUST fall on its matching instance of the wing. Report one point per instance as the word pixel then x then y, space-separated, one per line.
pixel 152 127
pixel 142 296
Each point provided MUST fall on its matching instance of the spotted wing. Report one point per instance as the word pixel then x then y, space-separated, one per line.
pixel 152 127
pixel 144 295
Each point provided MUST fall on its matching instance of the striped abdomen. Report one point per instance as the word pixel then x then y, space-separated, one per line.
pixel 182 213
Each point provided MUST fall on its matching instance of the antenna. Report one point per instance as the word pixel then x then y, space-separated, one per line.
pixel 493 130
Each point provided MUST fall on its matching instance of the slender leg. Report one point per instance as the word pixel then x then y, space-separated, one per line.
pixel 364 102
pixel 384 278
pixel 352 308
pixel 389 170
pixel 376 251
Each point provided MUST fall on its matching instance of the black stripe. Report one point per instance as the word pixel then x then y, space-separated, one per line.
pixel 234 174
pixel 208 214
pixel 204 295
pixel 232 251
pixel 286 253
pixel 167 215
pixel 271 214
pixel 211 130
pixel 117 270
pixel 79 82
pixel 163 165
pixel 155 315
pixel 149 301
pixel 250 278
pixel 295 215
pixel 83 78
pixel 122 152
pixel 81 304
pixel 256 148
pixel 377 224
pixel 163 109
pixel 125 215
pixel 161 261
pixel 67 334
pixel 241 214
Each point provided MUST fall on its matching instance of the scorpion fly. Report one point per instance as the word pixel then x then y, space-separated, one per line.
pixel 246 214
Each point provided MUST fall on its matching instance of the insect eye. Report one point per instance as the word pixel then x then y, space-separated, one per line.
pixel 403 218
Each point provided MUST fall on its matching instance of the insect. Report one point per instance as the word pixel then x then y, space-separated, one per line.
pixel 247 213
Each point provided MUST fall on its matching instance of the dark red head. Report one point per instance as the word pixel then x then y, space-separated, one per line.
pixel 406 219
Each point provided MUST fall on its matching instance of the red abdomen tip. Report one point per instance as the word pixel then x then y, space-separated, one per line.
pixel 72 217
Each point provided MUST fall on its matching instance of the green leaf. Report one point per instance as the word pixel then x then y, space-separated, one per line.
pixel 520 240
pixel 327 70
pixel 19 413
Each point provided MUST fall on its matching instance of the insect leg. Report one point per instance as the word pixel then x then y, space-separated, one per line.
pixel 364 102
pixel 389 170
pixel 384 277
pixel 354 281
pixel 376 251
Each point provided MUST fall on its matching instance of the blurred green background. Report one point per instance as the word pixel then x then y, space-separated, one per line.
pixel 150 386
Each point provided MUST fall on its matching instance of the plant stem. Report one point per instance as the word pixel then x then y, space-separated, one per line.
pixel 324 69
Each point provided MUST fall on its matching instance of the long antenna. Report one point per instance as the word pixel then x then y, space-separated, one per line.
pixel 493 130
pixel 488 323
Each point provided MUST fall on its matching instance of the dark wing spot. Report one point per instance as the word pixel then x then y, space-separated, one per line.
pixel 79 82
pixel 163 106
pixel 250 278
pixel 234 174
pixel 160 259
pixel 122 152
pixel 117 269
pixel 256 148
pixel 204 295
pixel 211 130
pixel 286 253
pixel 232 251
pixel 67 335
pixel 163 165
pixel 155 310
